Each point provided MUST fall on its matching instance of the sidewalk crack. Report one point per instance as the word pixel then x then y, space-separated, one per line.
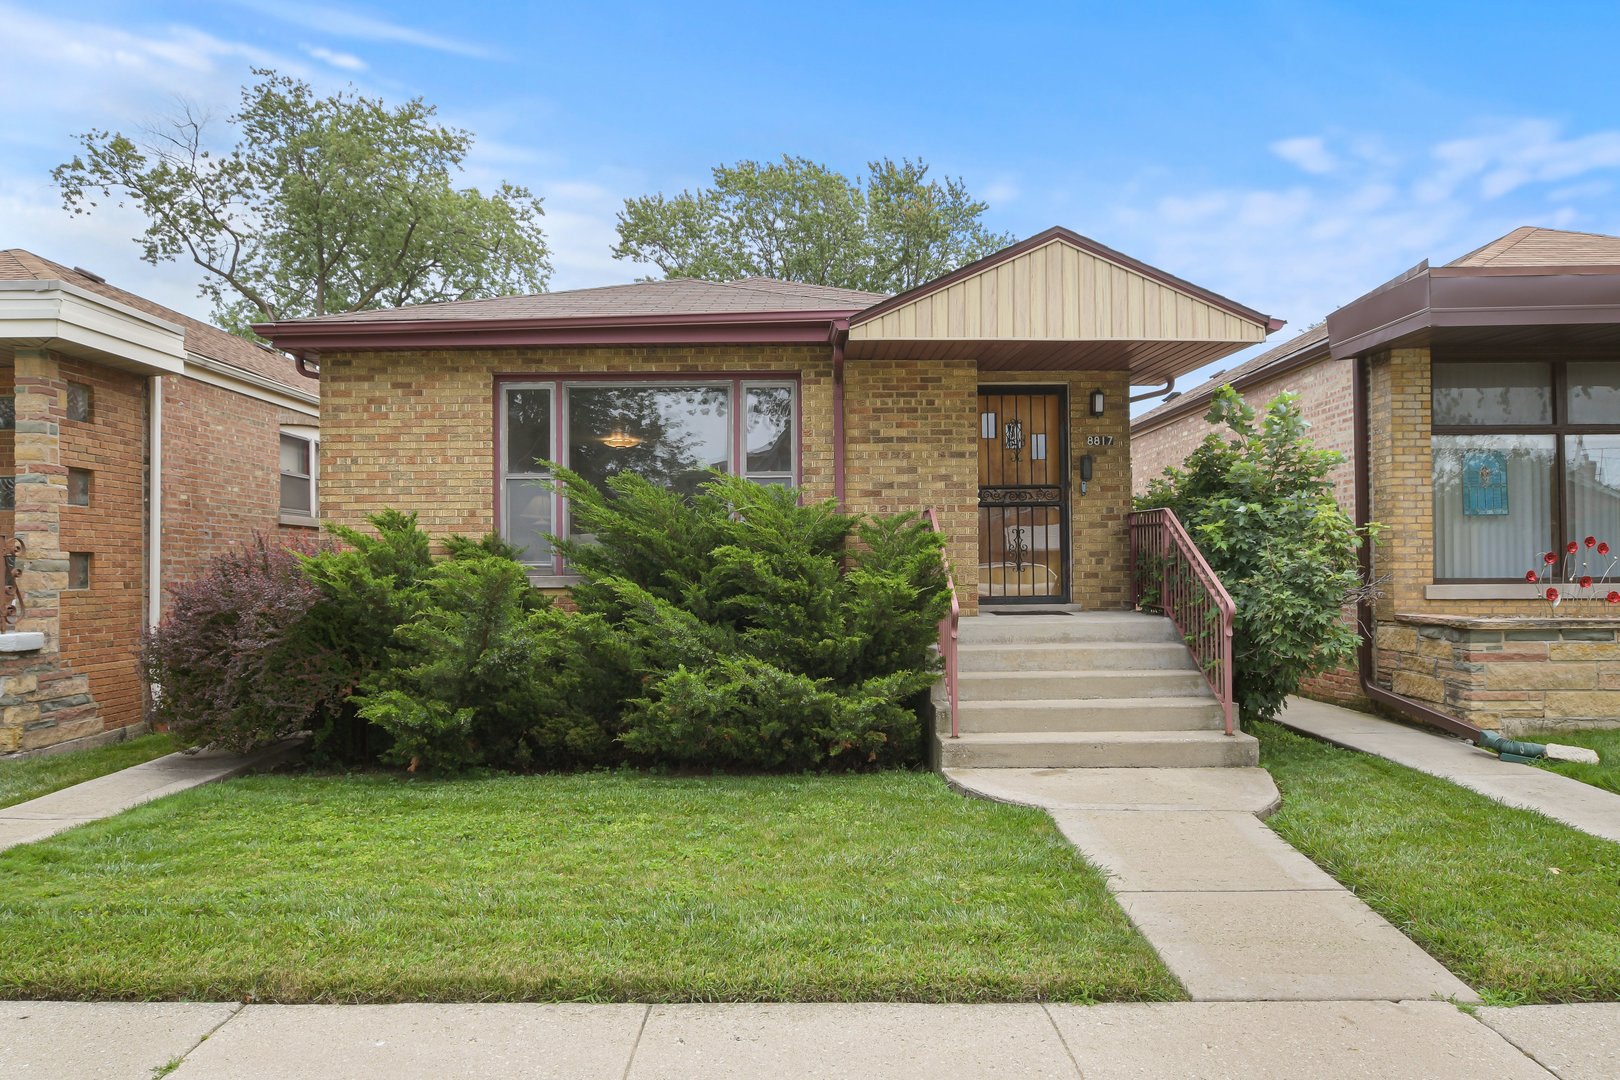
pixel 646 1014
pixel 176 1062
pixel 1050 1019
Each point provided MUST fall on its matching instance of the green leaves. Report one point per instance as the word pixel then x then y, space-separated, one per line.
pixel 1259 504
pixel 800 221
pixel 324 205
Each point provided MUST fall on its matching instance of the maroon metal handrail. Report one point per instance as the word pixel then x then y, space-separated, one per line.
pixel 1189 593
pixel 948 626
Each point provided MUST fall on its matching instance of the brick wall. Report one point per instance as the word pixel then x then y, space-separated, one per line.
pixel 414 430
pixel 221 473
pixel 101 625
pixel 43 699
pixel 1326 392
pixel 911 439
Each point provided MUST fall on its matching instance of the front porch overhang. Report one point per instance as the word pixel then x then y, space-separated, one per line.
pixel 1060 301
pixel 62 317
pixel 1476 306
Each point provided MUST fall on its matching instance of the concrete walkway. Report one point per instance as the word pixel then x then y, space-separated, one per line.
pixel 116 792
pixel 1235 913
pixel 1589 809
pixel 1342 1040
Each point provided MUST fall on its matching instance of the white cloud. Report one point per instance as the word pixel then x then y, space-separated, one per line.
pixel 354 24
pixel 1300 250
pixel 346 61
pixel 1001 192
pixel 1308 152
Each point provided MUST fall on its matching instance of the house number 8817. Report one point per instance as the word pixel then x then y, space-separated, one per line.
pixel 1099 440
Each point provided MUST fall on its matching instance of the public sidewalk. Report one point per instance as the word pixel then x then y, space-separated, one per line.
pixel 1355 1040
pixel 1589 809
pixel 116 792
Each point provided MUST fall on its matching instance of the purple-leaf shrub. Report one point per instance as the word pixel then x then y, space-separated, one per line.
pixel 234 664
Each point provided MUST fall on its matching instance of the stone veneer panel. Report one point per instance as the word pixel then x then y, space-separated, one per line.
pixel 1507 674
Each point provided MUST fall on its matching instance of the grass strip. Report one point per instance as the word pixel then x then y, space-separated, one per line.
pixel 1520 907
pixel 591 887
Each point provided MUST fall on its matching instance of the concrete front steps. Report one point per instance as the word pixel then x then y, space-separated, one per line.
pixel 1083 690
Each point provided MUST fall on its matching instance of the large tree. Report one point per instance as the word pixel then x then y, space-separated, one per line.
pixel 801 221
pixel 325 204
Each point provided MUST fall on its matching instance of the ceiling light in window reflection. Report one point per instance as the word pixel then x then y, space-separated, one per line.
pixel 619 439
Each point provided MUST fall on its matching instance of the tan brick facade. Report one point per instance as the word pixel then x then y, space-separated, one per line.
pixel 415 430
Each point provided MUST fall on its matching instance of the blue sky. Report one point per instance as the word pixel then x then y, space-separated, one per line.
pixel 1289 155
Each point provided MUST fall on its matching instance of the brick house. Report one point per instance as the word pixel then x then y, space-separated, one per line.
pixel 978 394
pixel 135 443
pixel 1478 406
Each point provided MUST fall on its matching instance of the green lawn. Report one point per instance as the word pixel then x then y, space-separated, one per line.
pixel 598 887
pixel 1605 775
pixel 29 778
pixel 1520 907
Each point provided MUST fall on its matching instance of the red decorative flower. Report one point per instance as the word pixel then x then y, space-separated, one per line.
pixel 1531 576
pixel 1586 581
pixel 1552 594
pixel 1603 548
pixel 1614 597
pixel 1591 541
pixel 1550 558
pixel 1572 547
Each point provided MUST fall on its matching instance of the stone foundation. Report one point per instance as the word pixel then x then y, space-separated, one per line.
pixel 1506 674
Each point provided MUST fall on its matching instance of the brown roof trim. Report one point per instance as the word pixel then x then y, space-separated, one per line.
pixel 1086 244
pixel 1194 400
pixel 1475 296
pixel 755 327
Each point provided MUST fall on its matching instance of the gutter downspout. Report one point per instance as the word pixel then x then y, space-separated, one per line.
pixel 301 362
pixel 840 334
pixel 1366 658
pixel 154 510
pixel 1169 385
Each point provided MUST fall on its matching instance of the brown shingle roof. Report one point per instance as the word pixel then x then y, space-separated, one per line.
pixel 677 296
pixel 1531 245
pixel 202 338
pixel 1248 371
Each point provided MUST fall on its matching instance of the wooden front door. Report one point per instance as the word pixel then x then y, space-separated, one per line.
pixel 1023 495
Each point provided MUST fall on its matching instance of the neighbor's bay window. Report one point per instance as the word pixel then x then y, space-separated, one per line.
pixel 1526 458
pixel 669 431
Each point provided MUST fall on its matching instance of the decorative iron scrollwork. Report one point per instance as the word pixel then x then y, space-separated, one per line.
pixel 1020 496
pixel 13 547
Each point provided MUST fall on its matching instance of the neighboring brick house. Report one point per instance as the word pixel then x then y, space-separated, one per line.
pixel 1488 436
pixel 135 443
pixel 996 395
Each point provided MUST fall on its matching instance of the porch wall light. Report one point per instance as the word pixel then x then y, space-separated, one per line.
pixel 1096 403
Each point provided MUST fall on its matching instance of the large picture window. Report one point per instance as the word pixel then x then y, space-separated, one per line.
pixel 1526 458
pixel 670 431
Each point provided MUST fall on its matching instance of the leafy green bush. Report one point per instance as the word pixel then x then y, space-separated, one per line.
pixel 487 672
pixel 1260 507
pixel 763 633
pixel 234 663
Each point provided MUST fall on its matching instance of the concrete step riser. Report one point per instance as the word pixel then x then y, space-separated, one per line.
pixel 1233 752
pixel 1017 716
pixel 1145 656
pixel 1032 629
pixel 1024 686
